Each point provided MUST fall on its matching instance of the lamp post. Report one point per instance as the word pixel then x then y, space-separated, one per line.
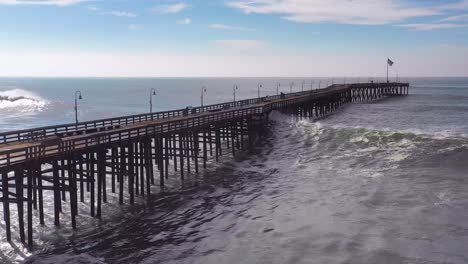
pixel 277 88
pixel 152 92
pixel 302 86
pixel 311 85
pixel 234 89
pixel 258 88
pixel 77 97
pixel 203 91
pixel 291 86
pixel 333 80
pixel 320 83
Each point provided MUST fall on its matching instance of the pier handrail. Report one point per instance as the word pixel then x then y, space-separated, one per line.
pixel 19 155
pixel 198 116
pixel 111 123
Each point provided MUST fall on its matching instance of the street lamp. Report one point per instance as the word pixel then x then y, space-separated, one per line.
pixel 152 92
pixel 203 91
pixel 311 85
pixel 320 83
pixel 277 88
pixel 302 86
pixel 291 86
pixel 234 89
pixel 77 97
pixel 258 87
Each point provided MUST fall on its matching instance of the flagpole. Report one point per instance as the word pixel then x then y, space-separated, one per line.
pixel 387 70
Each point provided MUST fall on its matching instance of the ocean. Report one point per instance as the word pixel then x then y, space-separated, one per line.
pixel 380 182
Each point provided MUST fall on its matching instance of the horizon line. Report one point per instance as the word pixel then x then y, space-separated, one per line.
pixel 213 77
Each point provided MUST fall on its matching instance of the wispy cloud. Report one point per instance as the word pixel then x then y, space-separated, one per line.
pixel 93 8
pixel 228 27
pixel 360 12
pixel 118 13
pixel 455 18
pixel 134 27
pixel 171 9
pixel 42 2
pixel 185 21
pixel 431 26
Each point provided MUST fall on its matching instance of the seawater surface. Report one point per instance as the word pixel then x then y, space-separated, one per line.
pixel 382 182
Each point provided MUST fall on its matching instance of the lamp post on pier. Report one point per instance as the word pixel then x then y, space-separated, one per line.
pixel 291 86
pixel 302 86
pixel 320 83
pixel 234 89
pixel 152 92
pixel 77 97
pixel 203 91
pixel 277 88
pixel 311 85
pixel 258 88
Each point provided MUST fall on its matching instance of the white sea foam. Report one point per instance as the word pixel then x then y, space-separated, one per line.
pixel 21 100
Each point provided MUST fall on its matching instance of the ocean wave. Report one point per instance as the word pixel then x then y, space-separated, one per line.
pixel 363 132
pixel 64 258
pixel 385 148
pixel 21 100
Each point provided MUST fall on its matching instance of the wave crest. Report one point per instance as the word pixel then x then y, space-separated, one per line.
pixel 18 99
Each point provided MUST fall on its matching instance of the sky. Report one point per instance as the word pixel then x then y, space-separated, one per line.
pixel 251 38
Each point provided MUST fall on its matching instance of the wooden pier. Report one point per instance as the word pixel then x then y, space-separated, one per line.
pixel 82 163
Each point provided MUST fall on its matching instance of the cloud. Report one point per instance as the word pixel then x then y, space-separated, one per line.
pixel 118 13
pixel 455 18
pixel 359 12
pixel 93 8
pixel 185 21
pixel 228 27
pixel 42 2
pixel 134 27
pixel 431 26
pixel 171 9
pixel 241 44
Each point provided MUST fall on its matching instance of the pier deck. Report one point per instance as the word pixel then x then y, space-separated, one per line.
pixel 69 160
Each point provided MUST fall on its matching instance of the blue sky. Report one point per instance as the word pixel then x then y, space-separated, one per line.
pixel 233 37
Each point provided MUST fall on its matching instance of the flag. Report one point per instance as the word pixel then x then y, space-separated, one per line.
pixel 390 62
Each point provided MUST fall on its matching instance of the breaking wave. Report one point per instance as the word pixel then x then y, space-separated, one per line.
pixel 21 100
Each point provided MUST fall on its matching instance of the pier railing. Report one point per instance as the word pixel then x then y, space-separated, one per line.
pixel 86 141
pixel 117 122
pixel 94 126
